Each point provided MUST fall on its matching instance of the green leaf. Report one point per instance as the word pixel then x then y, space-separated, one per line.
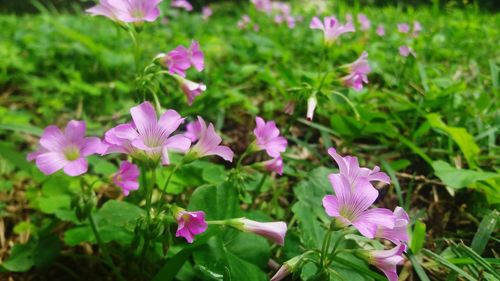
pixel 217 201
pixel 10 154
pixel 37 252
pixel 418 237
pixel 460 178
pixel 483 234
pixel 448 264
pixel 464 140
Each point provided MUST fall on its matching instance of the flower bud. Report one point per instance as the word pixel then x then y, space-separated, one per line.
pixel 312 101
pixel 274 231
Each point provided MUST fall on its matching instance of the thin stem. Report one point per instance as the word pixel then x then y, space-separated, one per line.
pixel 257 190
pixel 103 248
pixel 165 186
pixel 149 196
pixel 348 102
pixel 326 245
pixel 245 154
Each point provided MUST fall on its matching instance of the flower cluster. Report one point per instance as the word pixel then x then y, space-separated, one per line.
pixel 350 206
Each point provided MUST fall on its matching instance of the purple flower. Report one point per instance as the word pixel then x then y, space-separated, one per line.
pixel 126 178
pixel 358 73
pixel 268 137
pixel 274 165
pixel 177 61
pixel 127 10
pixel 290 266
pixel 387 260
pixel 209 143
pixel 148 138
pixel 403 28
pixel 331 27
pixel 196 57
pixel 181 59
pixel 206 12
pixel 351 202
pixel 191 89
pixel 243 22
pixel 262 5
pixel 274 231
pixel 380 30
pixel 183 4
pixel 66 150
pixel 399 233
pixel 190 224
pixel 193 131
pixel 364 21
pixel 349 167
pixel 405 51
pixel 312 101
pixel 417 28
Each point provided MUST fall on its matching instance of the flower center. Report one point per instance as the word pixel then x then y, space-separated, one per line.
pixel 138 14
pixel 186 218
pixel 71 152
pixel 347 213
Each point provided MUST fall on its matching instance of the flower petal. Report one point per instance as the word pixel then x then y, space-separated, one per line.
pixel 77 167
pixel 51 162
pixel 144 117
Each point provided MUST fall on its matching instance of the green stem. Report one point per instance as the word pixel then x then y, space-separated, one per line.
pixel 245 154
pixel 348 102
pixel 149 197
pixel 165 186
pixel 103 248
pixel 326 245
pixel 257 190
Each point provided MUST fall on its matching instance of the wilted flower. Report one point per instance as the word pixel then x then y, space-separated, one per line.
pixel 351 202
pixel 289 107
pixel 209 142
pixel 147 137
pixel 399 233
pixel 191 89
pixel 206 12
pixel 268 137
pixel 274 165
pixel 190 224
pixel 127 10
pixel 66 150
pixel 403 28
pixel 331 27
pixel 387 260
pixel 380 30
pixel 405 51
pixel 126 178
pixel 358 73
pixel 312 101
pixel 349 167
pixel 183 4
pixel 274 231
pixel 364 22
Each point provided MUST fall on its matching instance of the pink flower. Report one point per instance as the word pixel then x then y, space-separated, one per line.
pixel 191 89
pixel 193 131
pixel 126 178
pixel 181 59
pixel 380 30
pixel 351 202
pixel 66 150
pixel 268 137
pixel 387 261
pixel 190 224
pixel 417 28
pixel 148 138
pixel 183 4
pixel 196 57
pixel 403 28
pixel 274 231
pixel 399 233
pixel 127 10
pixel 312 101
pixel 262 5
pixel 331 27
pixel 358 73
pixel 244 22
pixel 348 18
pixel 349 167
pixel 209 143
pixel 290 266
pixel 206 12
pixel 405 51
pixel 364 21
pixel 274 165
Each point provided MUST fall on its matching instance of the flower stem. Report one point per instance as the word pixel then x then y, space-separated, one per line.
pixel 103 248
pixel 326 245
pixel 165 186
